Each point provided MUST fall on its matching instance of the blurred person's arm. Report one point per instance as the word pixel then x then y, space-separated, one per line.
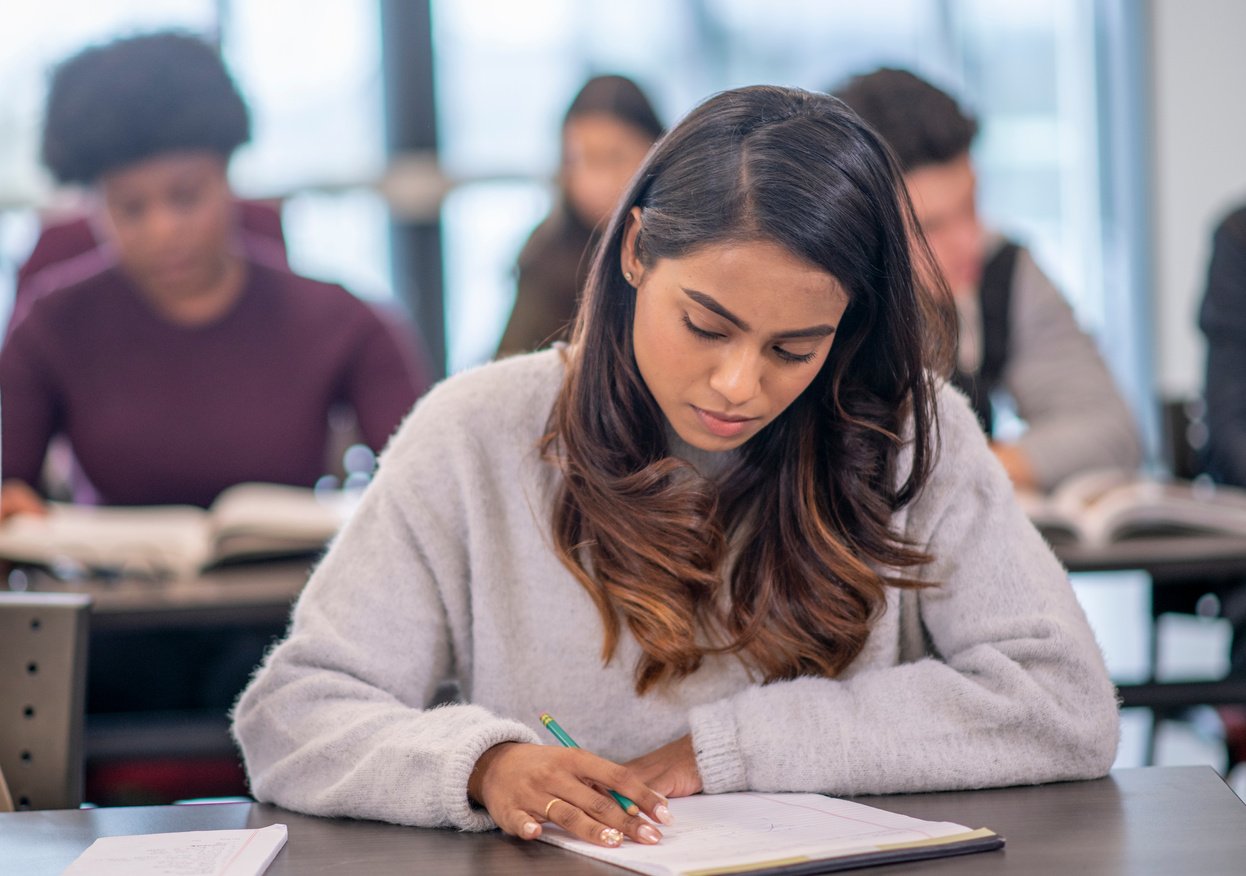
pixel 385 377
pixel 1076 417
pixel 1223 321
pixel 31 417
pixel 543 311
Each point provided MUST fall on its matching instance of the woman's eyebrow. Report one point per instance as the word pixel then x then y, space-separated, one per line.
pixel 816 331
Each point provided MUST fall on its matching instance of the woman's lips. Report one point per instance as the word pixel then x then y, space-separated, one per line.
pixel 722 425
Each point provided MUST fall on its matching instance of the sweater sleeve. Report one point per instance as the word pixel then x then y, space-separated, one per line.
pixel 1014 692
pixel 1223 321
pixel 32 404
pixel 384 376
pixel 336 721
pixel 1077 419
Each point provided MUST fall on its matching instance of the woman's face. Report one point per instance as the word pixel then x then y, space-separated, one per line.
pixel 172 219
pixel 599 156
pixel 727 337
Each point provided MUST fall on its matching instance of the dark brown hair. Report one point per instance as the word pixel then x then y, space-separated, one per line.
pixel 922 124
pixel 807 503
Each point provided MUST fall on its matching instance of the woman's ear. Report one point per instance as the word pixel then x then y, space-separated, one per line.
pixel 629 262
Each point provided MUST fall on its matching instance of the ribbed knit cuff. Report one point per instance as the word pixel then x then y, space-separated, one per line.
pixel 459 809
pixel 716 744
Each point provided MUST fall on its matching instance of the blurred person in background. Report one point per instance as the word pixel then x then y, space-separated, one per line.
pixel 1016 331
pixel 1222 319
pixel 182 361
pixel 606 133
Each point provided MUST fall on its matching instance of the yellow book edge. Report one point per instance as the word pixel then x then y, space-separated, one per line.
pixel 980 833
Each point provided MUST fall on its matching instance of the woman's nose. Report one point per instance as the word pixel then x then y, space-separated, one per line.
pixel 737 378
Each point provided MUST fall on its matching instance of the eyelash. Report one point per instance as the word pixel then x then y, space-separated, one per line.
pixel 784 355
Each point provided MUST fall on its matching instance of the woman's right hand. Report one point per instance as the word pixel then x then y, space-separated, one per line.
pixel 16 497
pixel 523 785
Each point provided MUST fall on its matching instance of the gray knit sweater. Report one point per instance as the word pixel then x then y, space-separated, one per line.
pixel 446 572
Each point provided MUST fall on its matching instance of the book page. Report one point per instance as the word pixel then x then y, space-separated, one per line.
pixel 153 540
pixel 193 853
pixel 257 518
pixel 735 830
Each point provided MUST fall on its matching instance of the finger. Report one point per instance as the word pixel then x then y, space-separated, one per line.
pixel 578 823
pixel 626 781
pixel 521 824
pixel 604 809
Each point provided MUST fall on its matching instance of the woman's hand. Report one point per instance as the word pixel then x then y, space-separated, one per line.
pixel 16 497
pixel 671 769
pixel 524 785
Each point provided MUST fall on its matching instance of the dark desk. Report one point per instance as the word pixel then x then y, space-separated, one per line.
pixel 242 595
pixel 1160 820
pixel 1167 560
pixel 1176 562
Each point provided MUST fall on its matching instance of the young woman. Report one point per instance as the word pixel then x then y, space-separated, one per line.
pixel 179 362
pixel 736 536
pixel 606 132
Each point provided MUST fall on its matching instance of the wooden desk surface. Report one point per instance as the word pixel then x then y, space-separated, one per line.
pixel 1159 820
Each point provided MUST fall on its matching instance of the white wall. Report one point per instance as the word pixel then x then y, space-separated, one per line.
pixel 1198 52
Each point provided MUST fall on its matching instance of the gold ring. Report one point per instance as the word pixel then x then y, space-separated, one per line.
pixel 551 803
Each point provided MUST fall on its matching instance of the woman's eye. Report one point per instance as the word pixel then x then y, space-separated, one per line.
pixel 700 332
pixel 794 358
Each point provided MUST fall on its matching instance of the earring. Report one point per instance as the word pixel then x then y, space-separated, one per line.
pixel 627 275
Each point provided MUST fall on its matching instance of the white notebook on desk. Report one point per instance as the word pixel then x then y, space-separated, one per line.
pixel 189 853
pixel 781 833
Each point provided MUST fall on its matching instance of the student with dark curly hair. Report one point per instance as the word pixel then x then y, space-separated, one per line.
pixel 738 535
pixel 183 363
pixel 606 132
pixel 1017 333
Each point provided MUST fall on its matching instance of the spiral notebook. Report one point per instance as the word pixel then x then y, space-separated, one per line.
pixel 753 833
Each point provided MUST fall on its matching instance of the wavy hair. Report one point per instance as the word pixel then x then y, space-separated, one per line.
pixel 778 559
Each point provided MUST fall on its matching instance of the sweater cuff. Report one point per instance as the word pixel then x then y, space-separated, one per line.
pixel 716 744
pixel 460 810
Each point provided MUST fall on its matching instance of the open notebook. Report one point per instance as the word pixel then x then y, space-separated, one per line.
pixel 781 833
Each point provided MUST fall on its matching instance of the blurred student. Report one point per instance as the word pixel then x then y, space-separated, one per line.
pixel 1017 333
pixel 606 133
pixel 1223 321
pixel 182 362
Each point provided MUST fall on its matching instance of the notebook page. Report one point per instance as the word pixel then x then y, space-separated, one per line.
pixel 718 830
pixel 191 853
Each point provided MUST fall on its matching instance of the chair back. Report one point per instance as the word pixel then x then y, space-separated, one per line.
pixel 43 659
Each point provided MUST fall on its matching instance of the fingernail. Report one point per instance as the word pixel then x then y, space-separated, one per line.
pixel 611 837
pixel 648 834
pixel 529 829
pixel 663 814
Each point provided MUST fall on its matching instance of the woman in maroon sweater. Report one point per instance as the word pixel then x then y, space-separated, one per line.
pixel 179 364
pixel 176 361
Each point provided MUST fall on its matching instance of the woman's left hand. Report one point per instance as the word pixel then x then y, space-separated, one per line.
pixel 671 769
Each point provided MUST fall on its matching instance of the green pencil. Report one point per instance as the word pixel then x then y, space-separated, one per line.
pixel 561 735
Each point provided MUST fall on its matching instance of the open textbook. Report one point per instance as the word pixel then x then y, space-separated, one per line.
pixel 1102 507
pixel 782 834
pixel 246 522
